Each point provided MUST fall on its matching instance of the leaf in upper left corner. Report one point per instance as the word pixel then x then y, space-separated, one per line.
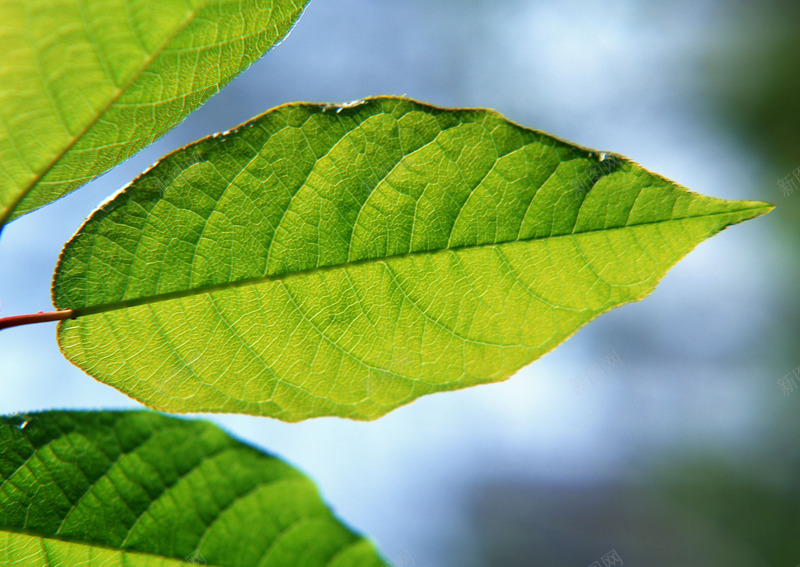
pixel 85 85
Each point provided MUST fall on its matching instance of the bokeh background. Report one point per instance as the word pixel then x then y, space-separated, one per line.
pixel 683 452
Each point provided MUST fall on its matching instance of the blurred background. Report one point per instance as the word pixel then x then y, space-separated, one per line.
pixel 684 448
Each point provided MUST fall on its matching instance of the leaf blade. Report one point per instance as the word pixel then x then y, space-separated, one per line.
pixel 140 488
pixel 111 77
pixel 343 273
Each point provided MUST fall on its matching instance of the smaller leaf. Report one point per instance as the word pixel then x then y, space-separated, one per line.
pixel 142 489
pixel 85 85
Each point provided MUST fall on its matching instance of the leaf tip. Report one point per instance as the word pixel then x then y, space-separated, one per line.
pixel 754 209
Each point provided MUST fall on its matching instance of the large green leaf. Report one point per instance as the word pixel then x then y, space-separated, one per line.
pixel 137 488
pixel 86 84
pixel 346 260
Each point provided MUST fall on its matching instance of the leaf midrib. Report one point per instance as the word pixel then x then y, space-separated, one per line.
pixel 50 537
pixel 130 552
pixel 200 290
pixel 178 560
pixel 137 73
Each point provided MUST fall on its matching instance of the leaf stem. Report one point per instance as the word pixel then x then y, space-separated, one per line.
pixel 40 317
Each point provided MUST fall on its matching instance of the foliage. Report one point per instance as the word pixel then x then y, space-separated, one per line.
pixel 88 84
pixel 138 488
pixel 345 261
pixel 318 260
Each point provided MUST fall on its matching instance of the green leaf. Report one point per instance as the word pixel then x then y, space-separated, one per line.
pixel 346 260
pixel 138 488
pixel 85 85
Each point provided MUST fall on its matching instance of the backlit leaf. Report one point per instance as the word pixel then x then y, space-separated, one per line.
pixel 139 489
pixel 325 260
pixel 86 84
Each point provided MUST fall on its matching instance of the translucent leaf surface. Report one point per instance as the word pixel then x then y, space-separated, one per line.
pixel 137 488
pixel 86 84
pixel 346 260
